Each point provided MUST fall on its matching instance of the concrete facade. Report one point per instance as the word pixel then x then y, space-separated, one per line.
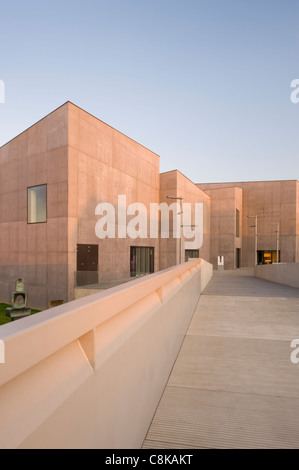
pixel 82 162
pixel 36 252
pixel 103 164
pixel 282 273
pixel 276 205
pixel 225 238
pixel 175 184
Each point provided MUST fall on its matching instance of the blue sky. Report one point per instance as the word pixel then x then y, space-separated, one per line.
pixel 203 83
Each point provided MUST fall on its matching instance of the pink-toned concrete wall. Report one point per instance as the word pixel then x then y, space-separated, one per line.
pixel 103 164
pixel 282 273
pixel 84 162
pixel 175 184
pixel 273 202
pixel 36 252
pixel 224 242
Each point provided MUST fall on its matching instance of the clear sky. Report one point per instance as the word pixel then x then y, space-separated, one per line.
pixel 203 83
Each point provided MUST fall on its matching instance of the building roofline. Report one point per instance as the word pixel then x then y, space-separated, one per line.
pixel 27 128
pixel 233 183
pixel 222 187
pixel 73 104
pixel 175 169
pixel 111 127
pixel 186 177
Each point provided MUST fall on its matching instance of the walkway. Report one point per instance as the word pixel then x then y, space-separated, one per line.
pixel 233 384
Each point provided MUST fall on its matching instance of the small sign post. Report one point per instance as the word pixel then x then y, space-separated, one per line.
pixel 220 263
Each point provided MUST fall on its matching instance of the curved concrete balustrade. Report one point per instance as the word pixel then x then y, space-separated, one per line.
pixel 90 373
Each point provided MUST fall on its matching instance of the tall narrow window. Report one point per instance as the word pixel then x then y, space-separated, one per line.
pixel 37 204
pixel 237 223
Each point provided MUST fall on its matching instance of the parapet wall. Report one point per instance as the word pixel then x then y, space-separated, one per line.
pixel 284 273
pixel 90 373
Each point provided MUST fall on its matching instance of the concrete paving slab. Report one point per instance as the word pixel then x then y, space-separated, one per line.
pixel 205 419
pixel 233 384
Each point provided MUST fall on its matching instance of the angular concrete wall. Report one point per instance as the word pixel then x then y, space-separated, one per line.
pixel 224 242
pixel 283 273
pixel 103 163
pixel 83 162
pixel 36 252
pixel 273 202
pixel 90 373
pixel 175 184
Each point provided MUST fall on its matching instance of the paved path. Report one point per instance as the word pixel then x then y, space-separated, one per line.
pixel 233 384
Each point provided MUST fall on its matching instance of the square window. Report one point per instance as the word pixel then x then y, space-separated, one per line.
pixel 37 204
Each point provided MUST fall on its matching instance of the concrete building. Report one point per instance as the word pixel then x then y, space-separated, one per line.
pixel 54 176
pixel 175 185
pixel 253 221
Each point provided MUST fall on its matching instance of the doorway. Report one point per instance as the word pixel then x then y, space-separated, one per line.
pixel 87 264
pixel 238 258
pixel 267 256
pixel 141 260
